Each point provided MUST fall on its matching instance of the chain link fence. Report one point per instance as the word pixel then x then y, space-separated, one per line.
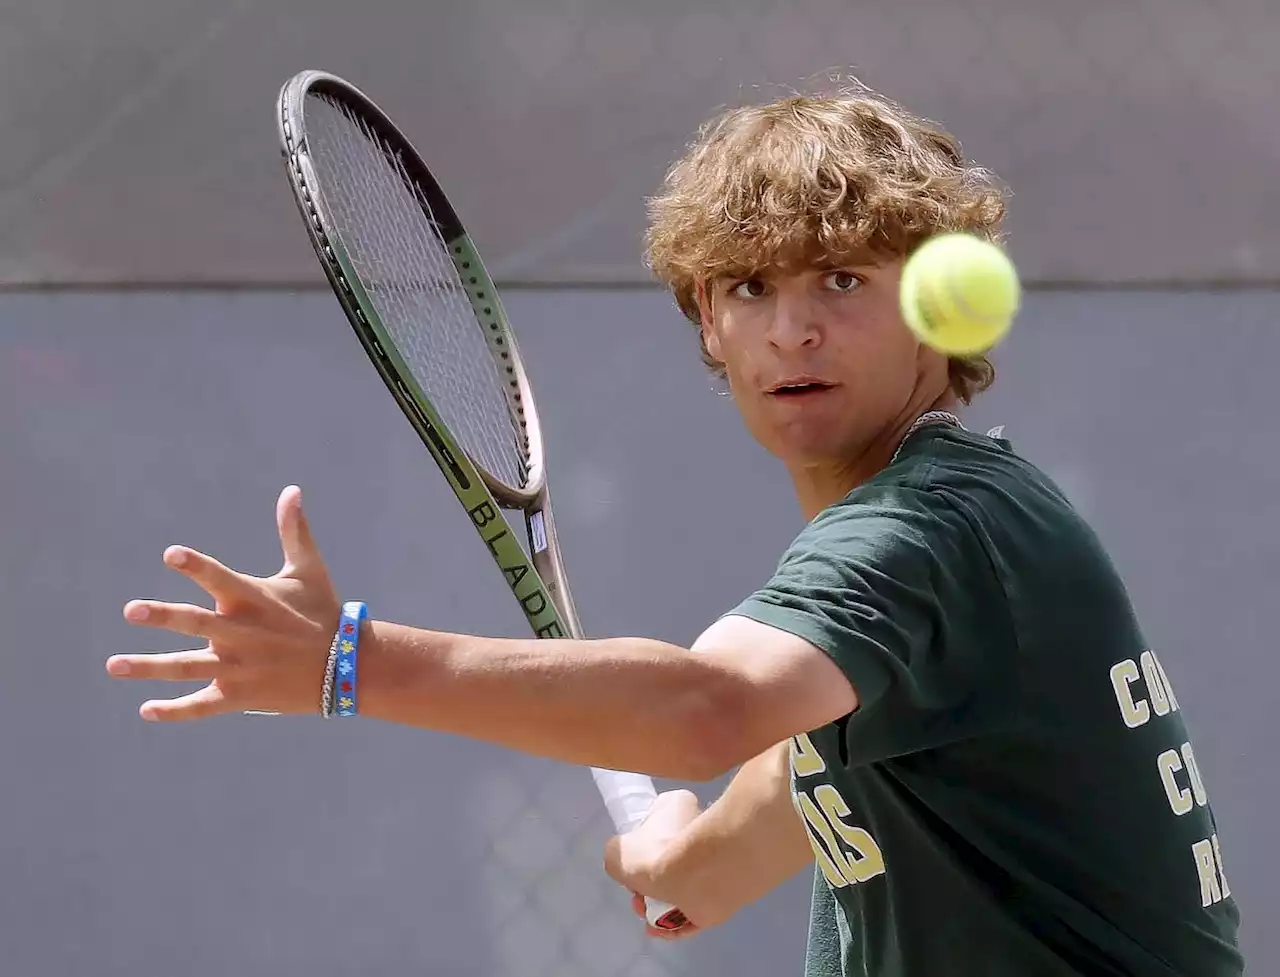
pixel 554 911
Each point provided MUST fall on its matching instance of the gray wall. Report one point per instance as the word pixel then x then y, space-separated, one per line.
pixel 141 143
pixel 256 846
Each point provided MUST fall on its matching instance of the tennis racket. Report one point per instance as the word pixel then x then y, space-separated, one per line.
pixel 413 286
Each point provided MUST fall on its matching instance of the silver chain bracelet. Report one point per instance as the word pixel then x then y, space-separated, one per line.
pixel 326 697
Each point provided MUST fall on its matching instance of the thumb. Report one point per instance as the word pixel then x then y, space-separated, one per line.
pixel 681 805
pixel 626 864
pixel 300 551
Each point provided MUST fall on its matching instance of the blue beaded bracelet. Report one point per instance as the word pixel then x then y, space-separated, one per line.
pixel 353 613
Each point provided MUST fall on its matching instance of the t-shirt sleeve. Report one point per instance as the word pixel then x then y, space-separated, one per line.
pixel 902 595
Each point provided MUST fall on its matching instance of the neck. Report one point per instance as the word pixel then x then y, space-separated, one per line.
pixel 820 485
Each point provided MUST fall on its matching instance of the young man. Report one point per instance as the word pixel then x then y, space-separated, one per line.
pixel 941 698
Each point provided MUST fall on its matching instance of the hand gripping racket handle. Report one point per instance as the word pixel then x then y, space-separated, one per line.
pixel 628 797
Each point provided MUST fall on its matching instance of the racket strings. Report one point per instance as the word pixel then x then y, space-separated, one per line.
pixel 404 266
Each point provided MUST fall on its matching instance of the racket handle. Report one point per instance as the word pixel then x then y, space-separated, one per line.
pixel 628 797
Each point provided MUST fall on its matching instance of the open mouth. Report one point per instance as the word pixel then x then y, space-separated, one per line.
pixel 788 391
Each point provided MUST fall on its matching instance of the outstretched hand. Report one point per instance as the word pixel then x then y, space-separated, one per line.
pixel 267 637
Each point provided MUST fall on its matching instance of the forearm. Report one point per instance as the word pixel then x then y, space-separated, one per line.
pixel 747 843
pixel 621 703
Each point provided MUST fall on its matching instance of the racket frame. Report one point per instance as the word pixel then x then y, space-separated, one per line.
pixel 538 584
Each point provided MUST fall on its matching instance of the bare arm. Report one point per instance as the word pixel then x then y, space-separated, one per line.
pixel 743 846
pixel 622 703
pixel 747 843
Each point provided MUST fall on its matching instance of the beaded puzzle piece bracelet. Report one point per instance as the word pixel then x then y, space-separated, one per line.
pixel 339 696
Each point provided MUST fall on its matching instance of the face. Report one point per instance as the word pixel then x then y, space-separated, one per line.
pixel 819 361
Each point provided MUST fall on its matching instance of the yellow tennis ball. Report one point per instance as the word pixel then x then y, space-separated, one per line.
pixel 959 294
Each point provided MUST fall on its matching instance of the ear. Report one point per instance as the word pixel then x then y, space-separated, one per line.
pixel 710 338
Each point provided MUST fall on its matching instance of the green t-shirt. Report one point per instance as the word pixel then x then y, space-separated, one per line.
pixel 1016 794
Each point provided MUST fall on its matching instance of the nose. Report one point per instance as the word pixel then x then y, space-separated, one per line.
pixel 796 322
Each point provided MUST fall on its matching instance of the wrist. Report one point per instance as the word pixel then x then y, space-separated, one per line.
pixel 396 677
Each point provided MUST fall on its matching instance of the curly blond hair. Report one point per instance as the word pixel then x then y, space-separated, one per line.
pixel 816 177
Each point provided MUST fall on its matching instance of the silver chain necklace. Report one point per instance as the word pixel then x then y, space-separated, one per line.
pixel 928 417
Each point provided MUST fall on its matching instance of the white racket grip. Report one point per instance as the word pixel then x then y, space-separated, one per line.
pixel 628 797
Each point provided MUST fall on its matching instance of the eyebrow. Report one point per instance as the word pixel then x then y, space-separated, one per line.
pixel 855 261
pixel 861 262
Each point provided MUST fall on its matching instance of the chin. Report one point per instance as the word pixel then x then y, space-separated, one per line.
pixel 810 449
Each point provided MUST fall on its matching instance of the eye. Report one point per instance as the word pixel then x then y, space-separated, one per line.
pixel 842 281
pixel 752 288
